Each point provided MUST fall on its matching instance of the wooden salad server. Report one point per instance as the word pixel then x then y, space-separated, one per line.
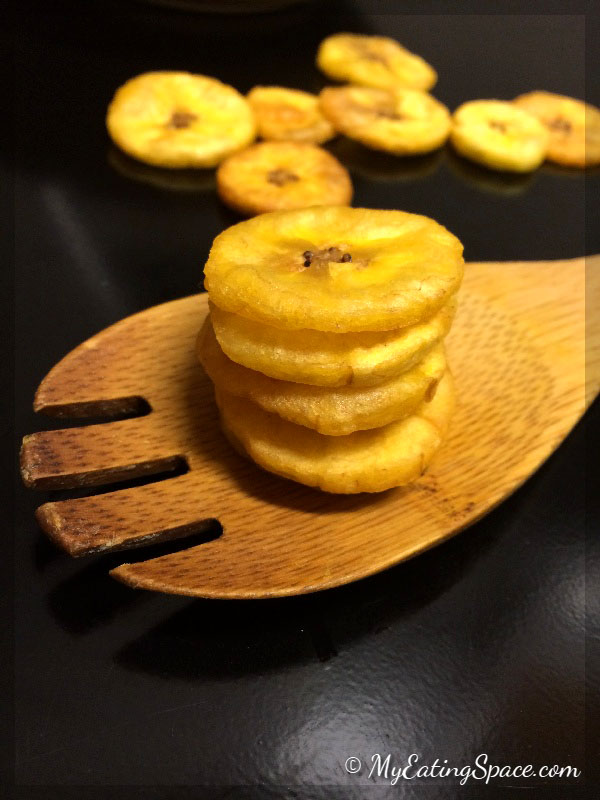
pixel 525 364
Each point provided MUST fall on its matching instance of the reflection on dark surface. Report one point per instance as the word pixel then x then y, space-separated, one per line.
pixel 221 639
pixel 45 552
pixel 227 216
pixel 227 6
pixel 173 180
pixel 295 16
pixel 380 166
pixel 509 184
pixel 91 598
pixel 576 173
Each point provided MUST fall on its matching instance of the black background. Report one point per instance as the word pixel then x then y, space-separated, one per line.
pixel 476 646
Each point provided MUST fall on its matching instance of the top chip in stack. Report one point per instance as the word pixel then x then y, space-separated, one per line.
pixel 325 343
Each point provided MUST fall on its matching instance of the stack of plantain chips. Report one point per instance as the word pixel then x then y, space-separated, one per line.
pixel 325 343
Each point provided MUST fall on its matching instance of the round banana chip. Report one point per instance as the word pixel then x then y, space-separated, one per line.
pixel 331 411
pixel 499 135
pixel 403 121
pixel 328 359
pixel 175 119
pixel 335 269
pixel 373 61
pixel 363 461
pixel 574 127
pixel 272 176
pixel 289 114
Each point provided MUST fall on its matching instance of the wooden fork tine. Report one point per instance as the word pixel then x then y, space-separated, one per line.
pixel 127 517
pixel 95 454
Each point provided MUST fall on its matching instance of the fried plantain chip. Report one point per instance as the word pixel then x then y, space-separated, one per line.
pixel 402 121
pixel 328 359
pixel 376 61
pixel 176 119
pixel 289 114
pixel 335 269
pixel 363 461
pixel 271 176
pixel 332 411
pixel 499 135
pixel 574 127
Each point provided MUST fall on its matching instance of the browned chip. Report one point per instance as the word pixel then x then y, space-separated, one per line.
pixel 574 127
pixel 273 176
pixel 402 121
pixel 289 115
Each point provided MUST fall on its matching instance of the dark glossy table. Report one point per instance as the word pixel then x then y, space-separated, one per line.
pixel 474 647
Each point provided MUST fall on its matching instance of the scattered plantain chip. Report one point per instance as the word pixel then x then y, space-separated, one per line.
pixel 363 461
pixel 574 127
pixel 272 176
pixel 331 411
pixel 402 121
pixel 289 114
pixel 335 269
pixel 499 135
pixel 176 119
pixel 328 359
pixel 373 61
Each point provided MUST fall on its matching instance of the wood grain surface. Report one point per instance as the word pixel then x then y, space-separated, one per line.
pixel 526 361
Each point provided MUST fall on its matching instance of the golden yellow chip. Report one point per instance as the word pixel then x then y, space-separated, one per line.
pixel 272 176
pixel 289 114
pixel 335 269
pixel 574 127
pixel 363 461
pixel 373 61
pixel 403 121
pixel 175 119
pixel 499 135
pixel 332 411
pixel 328 359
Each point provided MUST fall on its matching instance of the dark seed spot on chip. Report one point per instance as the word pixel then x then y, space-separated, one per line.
pixel 280 177
pixel 499 126
pixel 389 114
pixel 181 119
pixel 559 124
pixel 369 55
pixel 324 256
